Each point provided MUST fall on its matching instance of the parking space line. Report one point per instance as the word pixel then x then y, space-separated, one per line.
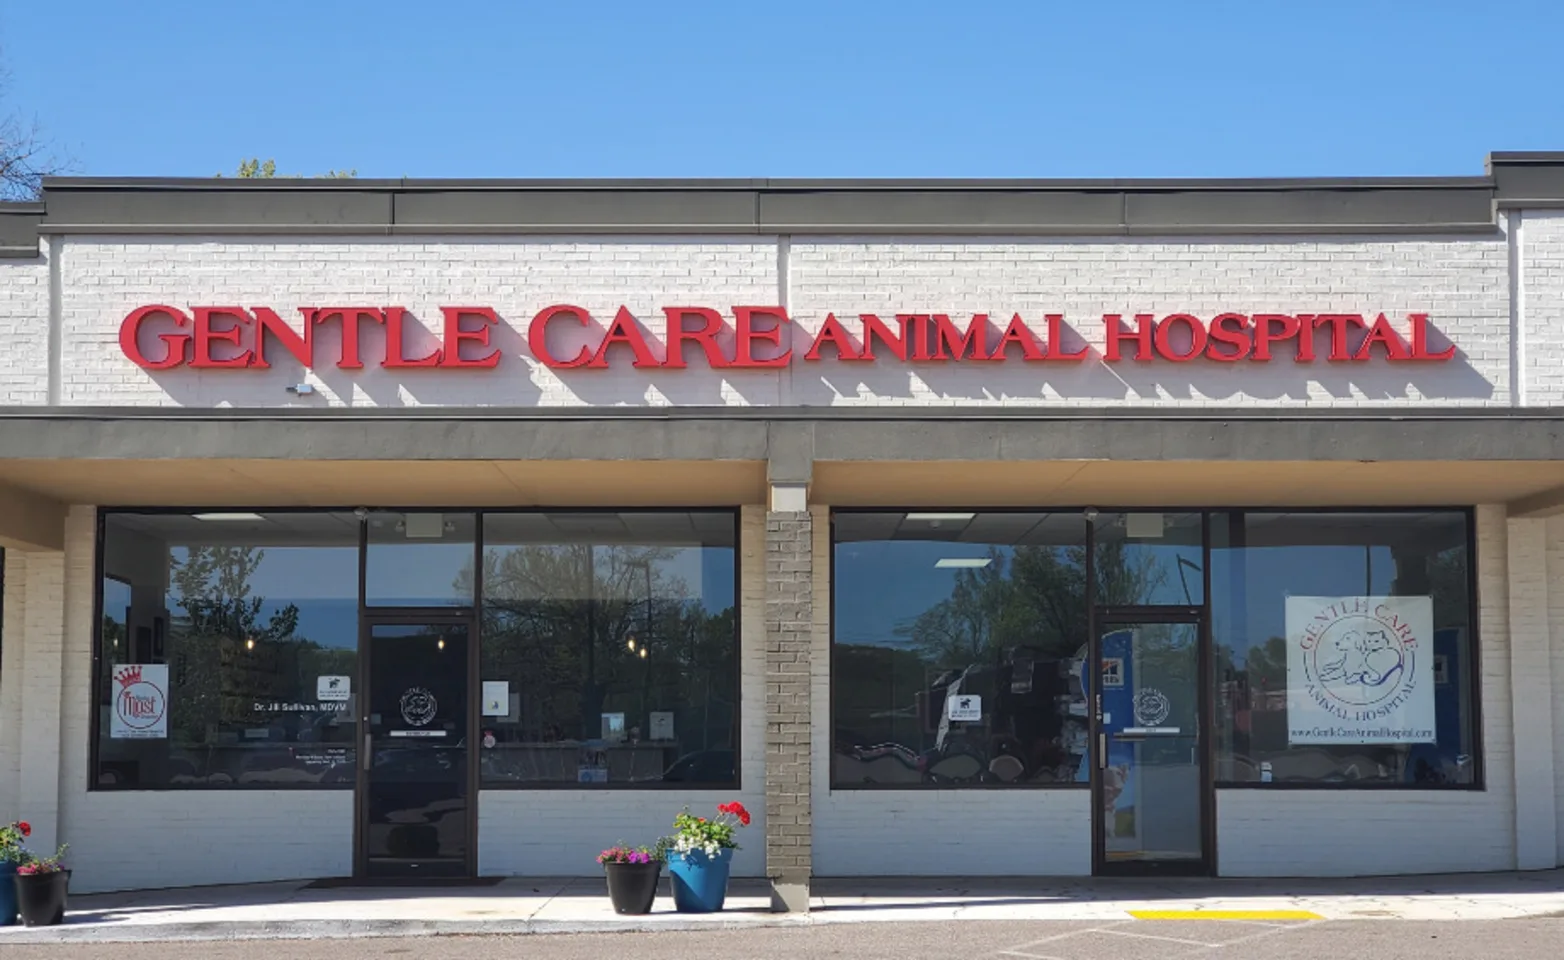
pixel 1060 936
pixel 1153 936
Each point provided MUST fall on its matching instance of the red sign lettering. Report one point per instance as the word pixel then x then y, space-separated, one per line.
pixel 161 337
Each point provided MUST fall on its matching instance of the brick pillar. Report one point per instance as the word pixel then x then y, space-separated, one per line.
pixel 789 634
pixel 43 673
pixel 1531 694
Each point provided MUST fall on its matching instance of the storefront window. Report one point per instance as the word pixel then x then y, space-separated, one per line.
pixel 1149 559
pixel 228 649
pixel 419 559
pixel 958 647
pixel 1343 648
pixel 609 649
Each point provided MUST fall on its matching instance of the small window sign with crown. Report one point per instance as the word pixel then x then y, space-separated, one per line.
pixel 140 702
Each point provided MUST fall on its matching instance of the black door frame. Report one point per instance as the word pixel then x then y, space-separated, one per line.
pixel 369 618
pixel 1101 618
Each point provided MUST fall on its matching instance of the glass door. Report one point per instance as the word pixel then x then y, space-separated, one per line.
pixel 414 788
pixel 1150 787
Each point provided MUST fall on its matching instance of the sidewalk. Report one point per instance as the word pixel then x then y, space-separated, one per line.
pixel 295 910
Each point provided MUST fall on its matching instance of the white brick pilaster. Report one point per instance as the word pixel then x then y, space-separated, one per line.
pixel 14 630
pixel 1531 699
pixel 43 669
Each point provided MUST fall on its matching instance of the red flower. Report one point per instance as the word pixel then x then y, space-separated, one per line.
pixel 744 816
pixel 25 827
pixel 725 808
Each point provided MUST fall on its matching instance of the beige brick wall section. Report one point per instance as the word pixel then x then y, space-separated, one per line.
pixel 789 638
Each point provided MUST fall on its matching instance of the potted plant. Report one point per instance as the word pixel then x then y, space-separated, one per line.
pixel 41 884
pixel 632 876
pixel 12 853
pixel 700 852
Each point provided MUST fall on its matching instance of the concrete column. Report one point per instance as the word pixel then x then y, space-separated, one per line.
pixel 789 634
pixel 1531 695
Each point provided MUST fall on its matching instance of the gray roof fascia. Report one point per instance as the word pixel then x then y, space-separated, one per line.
pixel 19 230
pixel 739 207
pixel 1531 180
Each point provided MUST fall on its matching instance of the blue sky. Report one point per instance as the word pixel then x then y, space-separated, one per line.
pixel 802 89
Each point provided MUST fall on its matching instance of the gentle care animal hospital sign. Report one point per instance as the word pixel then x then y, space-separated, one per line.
pixel 162 337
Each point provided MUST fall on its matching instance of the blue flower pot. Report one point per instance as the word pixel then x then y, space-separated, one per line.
pixel 7 894
pixel 700 883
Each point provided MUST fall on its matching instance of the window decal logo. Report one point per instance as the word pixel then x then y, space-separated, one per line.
pixel 1151 707
pixel 418 707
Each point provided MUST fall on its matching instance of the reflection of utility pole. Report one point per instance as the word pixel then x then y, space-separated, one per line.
pixel 1182 563
pixel 644 651
pixel 589 702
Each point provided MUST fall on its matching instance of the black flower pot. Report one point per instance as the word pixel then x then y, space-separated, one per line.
pixel 632 886
pixel 40 897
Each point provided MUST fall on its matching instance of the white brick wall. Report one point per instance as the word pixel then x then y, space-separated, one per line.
pixel 1462 283
pixel 921 832
pixel 559 832
pixel 104 280
pixel 24 329
pixel 1345 833
pixel 1538 237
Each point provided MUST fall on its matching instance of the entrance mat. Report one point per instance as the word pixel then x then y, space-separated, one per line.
pixel 336 883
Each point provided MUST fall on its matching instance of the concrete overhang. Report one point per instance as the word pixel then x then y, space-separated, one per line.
pixel 798 434
pixel 686 457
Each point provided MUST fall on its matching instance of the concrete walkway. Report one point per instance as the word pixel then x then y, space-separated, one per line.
pixel 294 910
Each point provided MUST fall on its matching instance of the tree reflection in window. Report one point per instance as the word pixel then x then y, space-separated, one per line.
pixel 620 658
pixel 991 605
pixel 248 614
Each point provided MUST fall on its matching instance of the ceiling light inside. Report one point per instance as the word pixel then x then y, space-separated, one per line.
pixel 940 517
pixel 231 517
pixel 963 563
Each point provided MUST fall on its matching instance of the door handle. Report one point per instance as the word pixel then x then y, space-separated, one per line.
pixel 368 758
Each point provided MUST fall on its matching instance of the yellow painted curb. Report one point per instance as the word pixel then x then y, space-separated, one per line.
pixel 1225 915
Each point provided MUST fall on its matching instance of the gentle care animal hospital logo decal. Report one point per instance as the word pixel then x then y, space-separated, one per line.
pixel 1359 669
pixel 565 337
